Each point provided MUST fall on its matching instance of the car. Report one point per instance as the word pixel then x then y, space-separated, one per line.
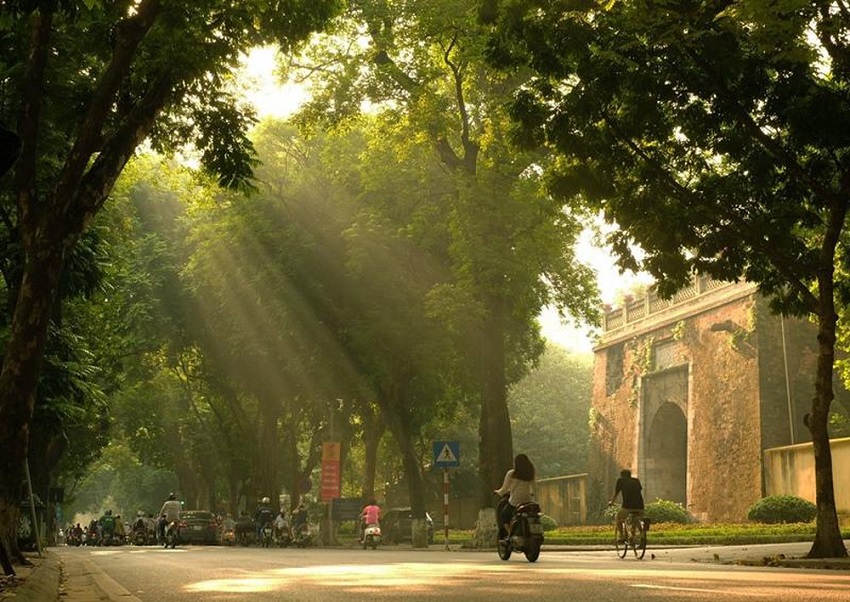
pixel 396 525
pixel 201 527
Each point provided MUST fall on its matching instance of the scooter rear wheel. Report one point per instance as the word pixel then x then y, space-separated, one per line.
pixel 532 552
pixel 504 549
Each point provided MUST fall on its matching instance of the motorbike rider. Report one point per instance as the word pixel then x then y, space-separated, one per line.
pixel 120 529
pixel 169 513
pixel 298 521
pixel 263 517
pixel 370 515
pixel 281 526
pixel 299 516
pixel 140 522
pixel 106 527
pixel 141 525
pixel 244 528
pixel 519 486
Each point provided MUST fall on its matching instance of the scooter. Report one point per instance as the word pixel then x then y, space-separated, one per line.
pixel 301 536
pixel 140 535
pixel 172 538
pixel 266 535
pixel 282 537
pixel 525 532
pixel 371 536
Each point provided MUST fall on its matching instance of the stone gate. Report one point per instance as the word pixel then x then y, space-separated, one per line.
pixel 689 392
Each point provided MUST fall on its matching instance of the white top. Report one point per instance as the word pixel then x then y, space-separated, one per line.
pixel 520 491
pixel 280 522
pixel 171 510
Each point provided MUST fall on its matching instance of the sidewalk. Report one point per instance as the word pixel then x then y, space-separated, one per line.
pixel 78 580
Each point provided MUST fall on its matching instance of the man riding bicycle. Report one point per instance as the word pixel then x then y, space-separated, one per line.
pixel 631 490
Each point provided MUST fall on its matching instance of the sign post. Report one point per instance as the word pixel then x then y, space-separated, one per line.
pixel 330 470
pixel 330 478
pixel 446 455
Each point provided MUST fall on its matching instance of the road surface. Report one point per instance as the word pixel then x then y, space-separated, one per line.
pixel 201 573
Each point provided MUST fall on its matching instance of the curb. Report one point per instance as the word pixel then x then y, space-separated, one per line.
pixel 42 583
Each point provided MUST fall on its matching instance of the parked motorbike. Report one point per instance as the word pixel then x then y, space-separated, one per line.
pixel 525 532
pixel 371 536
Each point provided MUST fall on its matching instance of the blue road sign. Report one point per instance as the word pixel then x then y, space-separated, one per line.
pixel 446 454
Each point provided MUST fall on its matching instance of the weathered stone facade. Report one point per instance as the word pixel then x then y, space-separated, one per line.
pixel 689 392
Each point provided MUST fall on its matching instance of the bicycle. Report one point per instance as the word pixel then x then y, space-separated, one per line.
pixel 634 528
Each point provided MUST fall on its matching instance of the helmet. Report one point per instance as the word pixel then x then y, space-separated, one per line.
pixel 266 500
pixel 140 513
pixel 171 496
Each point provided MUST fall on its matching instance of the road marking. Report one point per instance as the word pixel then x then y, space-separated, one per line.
pixel 696 589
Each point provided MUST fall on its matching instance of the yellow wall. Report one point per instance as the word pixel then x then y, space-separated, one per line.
pixel 564 498
pixel 790 470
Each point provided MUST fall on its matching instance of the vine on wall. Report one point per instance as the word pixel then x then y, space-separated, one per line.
pixel 641 352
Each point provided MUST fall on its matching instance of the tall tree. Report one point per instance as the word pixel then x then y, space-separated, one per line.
pixel 509 245
pixel 87 83
pixel 717 135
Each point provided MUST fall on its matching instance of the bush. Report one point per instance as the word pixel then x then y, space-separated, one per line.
pixel 663 511
pixel 549 523
pixel 782 509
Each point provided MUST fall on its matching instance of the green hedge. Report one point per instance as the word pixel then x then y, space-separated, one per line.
pixel 663 511
pixel 782 509
pixel 549 523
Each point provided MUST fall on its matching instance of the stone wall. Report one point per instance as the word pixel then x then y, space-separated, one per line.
pixel 724 450
pixel 787 365
pixel 689 386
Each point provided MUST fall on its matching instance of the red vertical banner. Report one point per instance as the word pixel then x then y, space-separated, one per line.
pixel 330 471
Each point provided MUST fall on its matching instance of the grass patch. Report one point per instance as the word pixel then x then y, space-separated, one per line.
pixel 677 534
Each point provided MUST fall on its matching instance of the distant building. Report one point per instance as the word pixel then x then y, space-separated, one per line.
pixel 689 392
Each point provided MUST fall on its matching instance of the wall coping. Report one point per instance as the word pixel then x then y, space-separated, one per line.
pixel 649 313
pixel 806 444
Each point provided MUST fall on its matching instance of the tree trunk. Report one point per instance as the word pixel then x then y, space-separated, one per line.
pixel 828 542
pixel 267 467
pixel 392 412
pixel 372 432
pixel 495 438
pixel 415 482
pixel 19 378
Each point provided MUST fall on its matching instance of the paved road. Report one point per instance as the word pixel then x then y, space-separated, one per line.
pixel 391 573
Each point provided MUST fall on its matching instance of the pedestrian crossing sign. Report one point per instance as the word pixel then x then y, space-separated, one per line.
pixel 446 454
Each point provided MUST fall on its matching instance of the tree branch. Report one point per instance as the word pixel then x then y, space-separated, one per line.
pixel 470 149
pixel 129 35
pixel 727 98
pixel 741 229
pixel 32 94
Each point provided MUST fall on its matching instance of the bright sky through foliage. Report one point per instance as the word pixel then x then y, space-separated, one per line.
pixel 273 99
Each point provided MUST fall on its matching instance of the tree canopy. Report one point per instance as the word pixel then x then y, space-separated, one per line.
pixel 716 136
pixel 84 84
pixel 509 244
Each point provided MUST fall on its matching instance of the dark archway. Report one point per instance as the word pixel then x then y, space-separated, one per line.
pixel 666 476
